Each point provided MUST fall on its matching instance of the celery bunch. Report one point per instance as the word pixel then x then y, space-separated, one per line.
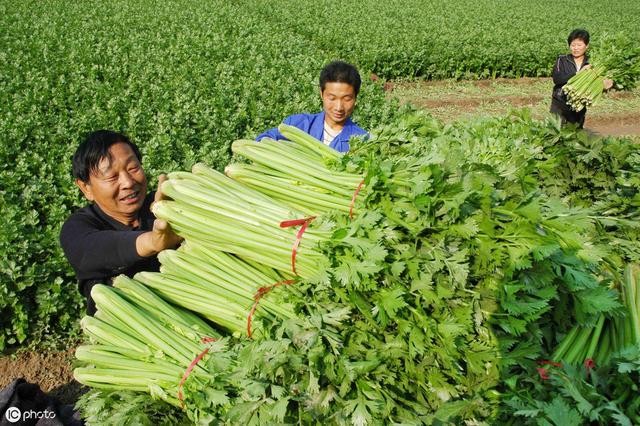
pixel 220 214
pixel 585 88
pixel 614 57
pixel 140 342
pixel 609 335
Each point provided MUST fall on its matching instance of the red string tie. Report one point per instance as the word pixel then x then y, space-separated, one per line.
pixel 589 364
pixel 195 361
pixel 261 292
pixel 296 222
pixel 353 200
pixel 547 362
pixel 544 374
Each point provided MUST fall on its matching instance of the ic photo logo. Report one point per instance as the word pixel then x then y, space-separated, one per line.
pixel 13 414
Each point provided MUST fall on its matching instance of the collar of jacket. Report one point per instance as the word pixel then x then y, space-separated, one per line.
pixel 573 61
pixel 317 128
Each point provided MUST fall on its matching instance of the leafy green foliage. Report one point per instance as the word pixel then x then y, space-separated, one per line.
pixel 185 79
pixel 440 39
pixel 577 395
pixel 127 408
pixel 620 57
pixel 465 265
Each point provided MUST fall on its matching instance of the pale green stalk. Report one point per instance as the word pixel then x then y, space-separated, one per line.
pixel 99 357
pixel 105 333
pixel 315 177
pixel 144 297
pixel 237 190
pixel 314 202
pixel 235 266
pixel 219 281
pixel 595 338
pixel 303 138
pixel 282 149
pixel 169 342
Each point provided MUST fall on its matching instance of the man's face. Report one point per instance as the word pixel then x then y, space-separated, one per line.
pixel 338 101
pixel 119 185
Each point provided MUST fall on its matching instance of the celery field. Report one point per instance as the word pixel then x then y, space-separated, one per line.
pixel 185 79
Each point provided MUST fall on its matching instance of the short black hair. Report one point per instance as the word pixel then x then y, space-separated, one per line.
pixel 94 148
pixel 578 33
pixel 340 72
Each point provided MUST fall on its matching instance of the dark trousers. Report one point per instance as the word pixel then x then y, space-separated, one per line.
pixel 567 115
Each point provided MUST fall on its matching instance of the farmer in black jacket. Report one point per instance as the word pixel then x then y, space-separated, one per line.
pixel 117 233
pixel 566 67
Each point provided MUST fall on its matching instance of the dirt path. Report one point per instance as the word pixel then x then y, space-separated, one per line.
pixel 618 114
pixel 52 371
pixel 623 124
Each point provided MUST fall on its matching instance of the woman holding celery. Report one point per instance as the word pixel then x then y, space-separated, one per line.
pixel 566 67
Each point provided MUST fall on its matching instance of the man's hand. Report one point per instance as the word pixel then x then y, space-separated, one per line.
pixel 161 236
pixel 608 83
pixel 586 67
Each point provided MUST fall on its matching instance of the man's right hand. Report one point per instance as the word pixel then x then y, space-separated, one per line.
pixel 159 238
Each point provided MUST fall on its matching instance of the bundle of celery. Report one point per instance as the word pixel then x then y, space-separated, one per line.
pixel 140 342
pixel 292 176
pixel 303 176
pixel 585 88
pixel 432 302
pixel 217 286
pixel 609 335
pixel 218 213
pixel 615 57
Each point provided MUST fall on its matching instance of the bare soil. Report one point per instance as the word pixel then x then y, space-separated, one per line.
pixel 52 371
pixel 450 101
pixel 471 103
pixel 615 124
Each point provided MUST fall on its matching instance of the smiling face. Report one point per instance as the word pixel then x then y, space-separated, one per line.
pixel 118 185
pixel 338 101
pixel 578 48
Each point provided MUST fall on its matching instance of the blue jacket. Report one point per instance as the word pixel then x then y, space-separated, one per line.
pixel 313 124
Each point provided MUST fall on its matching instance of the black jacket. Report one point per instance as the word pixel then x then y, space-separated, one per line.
pixel 563 70
pixel 99 248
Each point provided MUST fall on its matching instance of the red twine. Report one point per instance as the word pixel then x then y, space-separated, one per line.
pixel 261 292
pixel 547 362
pixel 296 222
pixel 192 365
pixel 353 200
pixel 589 364
pixel 543 371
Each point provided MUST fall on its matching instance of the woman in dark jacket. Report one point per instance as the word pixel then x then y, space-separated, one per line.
pixel 566 67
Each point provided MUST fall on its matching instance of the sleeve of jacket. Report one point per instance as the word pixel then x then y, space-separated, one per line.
pixel 275 133
pixel 271 133
pixel 93 252
pixel 562 71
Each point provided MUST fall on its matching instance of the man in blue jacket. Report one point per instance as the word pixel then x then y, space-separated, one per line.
pixel 339 87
